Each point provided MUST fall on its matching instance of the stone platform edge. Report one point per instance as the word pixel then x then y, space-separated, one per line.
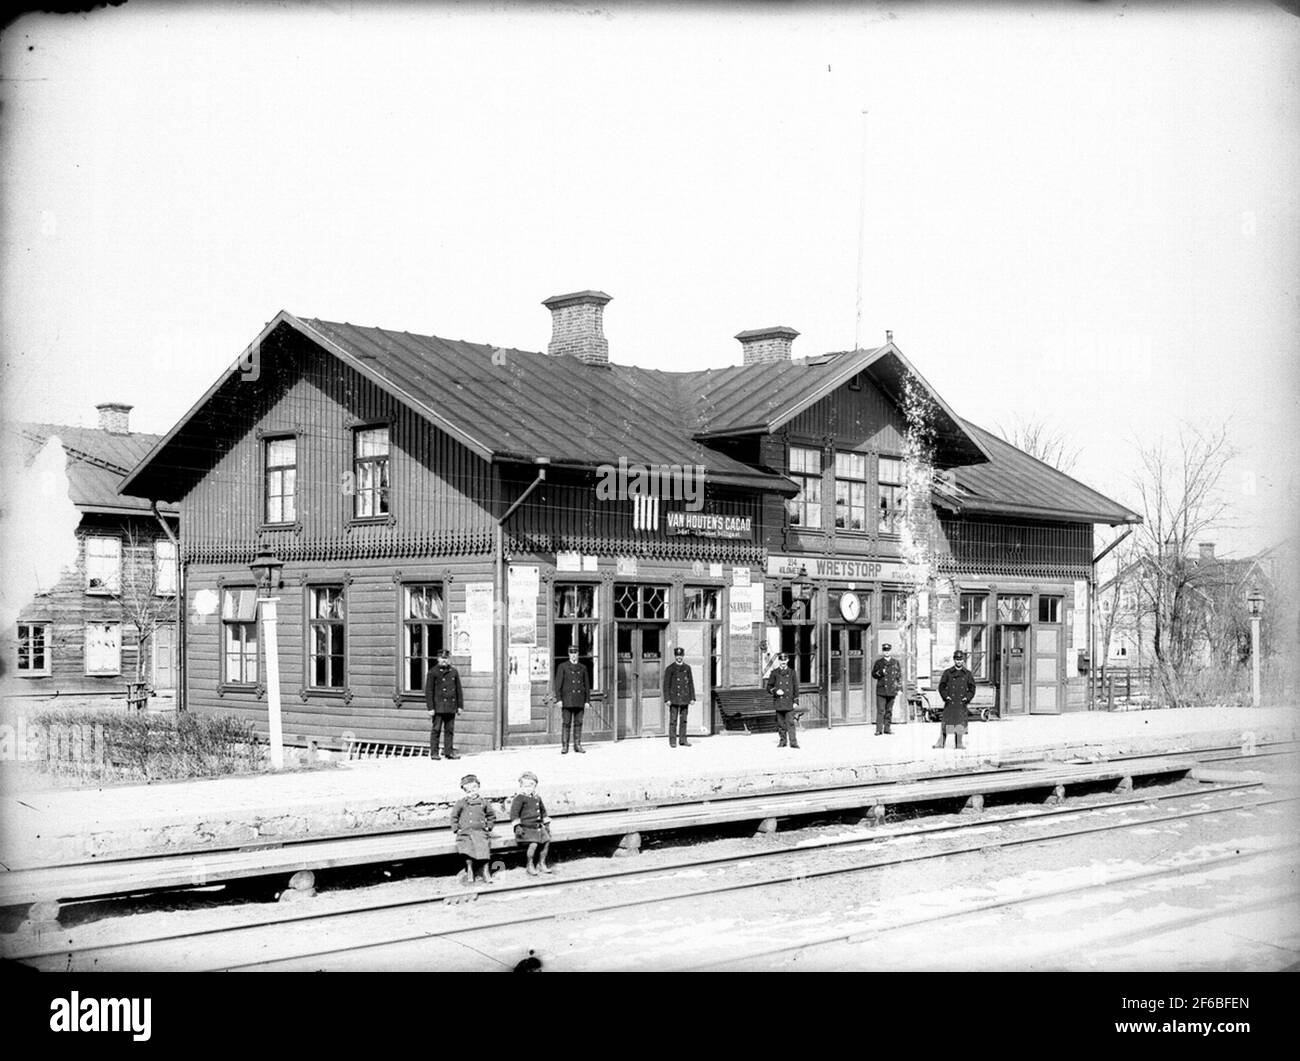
pixel 345 818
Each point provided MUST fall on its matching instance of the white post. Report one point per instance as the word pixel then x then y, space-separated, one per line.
pixel 1254 660
pixel 269 639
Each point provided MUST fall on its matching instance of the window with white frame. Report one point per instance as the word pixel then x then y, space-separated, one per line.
pixel 103 565
pixel 973 632
pixel 422 625
pixel 239 635
pixel 893 606
pixel 281 480
pixel 34 649
pixel 889 492
pixel 370 468
pixel 325 638
pixel 164 568
pixel 805 508
pixel 851 491
pixel 103 648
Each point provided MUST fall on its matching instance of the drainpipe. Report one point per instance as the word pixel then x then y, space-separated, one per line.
pixel 179 647
pixel 502 629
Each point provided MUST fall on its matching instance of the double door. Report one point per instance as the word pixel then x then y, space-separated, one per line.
pixel 639 679
pixel 849 692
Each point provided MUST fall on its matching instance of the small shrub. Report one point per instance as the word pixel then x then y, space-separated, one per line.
pixel 109 746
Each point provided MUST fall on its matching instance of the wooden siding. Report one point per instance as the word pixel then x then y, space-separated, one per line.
pixel 862 420
pixel 440 491
pixel 68 607
pixel 372 708
pixel 565 514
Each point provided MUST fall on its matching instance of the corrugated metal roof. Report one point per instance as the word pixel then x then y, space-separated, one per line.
pixel 98 460
pixel 1013 482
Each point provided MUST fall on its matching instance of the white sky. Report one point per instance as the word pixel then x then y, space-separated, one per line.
pixel 1086 215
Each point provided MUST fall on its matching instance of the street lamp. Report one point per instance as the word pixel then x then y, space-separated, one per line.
pixel 1256 602
pixel 266 570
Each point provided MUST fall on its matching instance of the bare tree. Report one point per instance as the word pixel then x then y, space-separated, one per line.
pixel 1179 501
pixel 140 596
pixel 1049 445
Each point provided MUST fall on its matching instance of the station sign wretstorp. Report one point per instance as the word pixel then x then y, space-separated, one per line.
pixel 836 570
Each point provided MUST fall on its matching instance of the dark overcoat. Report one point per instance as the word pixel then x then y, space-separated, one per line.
pixel 442 692
pixel 889 676
pixel 679 684
pixel 957 689
pixel 471 821
pixel 572 688
pixel 783 679
pixel 530 812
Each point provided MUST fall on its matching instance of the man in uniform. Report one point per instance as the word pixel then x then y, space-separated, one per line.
pixel 888 673
pixel 443 700
pixel 784 690
pixel 679 693
pixel 956 689
pixel 573 691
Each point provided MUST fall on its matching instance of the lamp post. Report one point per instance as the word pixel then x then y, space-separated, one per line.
pixel 266 571
pixel 1256 602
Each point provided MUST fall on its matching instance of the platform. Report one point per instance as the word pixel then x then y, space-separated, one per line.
pixel 59 826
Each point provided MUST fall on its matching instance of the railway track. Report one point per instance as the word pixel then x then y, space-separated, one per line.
pixel 103 878
pixel 241 940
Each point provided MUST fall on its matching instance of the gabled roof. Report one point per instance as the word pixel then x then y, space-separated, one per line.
pixel 513 405
pixel 761 399
pixel 98 461
pixel 1014 483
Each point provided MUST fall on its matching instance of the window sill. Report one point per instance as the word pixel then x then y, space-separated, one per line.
pixel 371 521
pixel 237 687
pixel 101 592
pixel 283 526
pixel 341 692
pixel 32 673
pixel 103 674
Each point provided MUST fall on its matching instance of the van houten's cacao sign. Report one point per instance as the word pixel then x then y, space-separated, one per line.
pixel 708 524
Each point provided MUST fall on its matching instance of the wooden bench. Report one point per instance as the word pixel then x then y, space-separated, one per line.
pixel 748 708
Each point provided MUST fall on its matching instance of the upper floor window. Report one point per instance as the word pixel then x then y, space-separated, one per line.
pixel 281 480
pixel 103 565
pixel 422 620
pixel 370 470
pixel 33 649
pixel 851 491
pixel 325 637
pixel 889 478
pixel 164 568
pixel 806 470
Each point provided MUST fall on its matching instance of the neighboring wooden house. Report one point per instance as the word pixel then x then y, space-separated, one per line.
pixel 1216 603
pixel 80 636
pixel 424 492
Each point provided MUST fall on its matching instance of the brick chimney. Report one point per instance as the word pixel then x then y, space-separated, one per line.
pixel 1207 550
pixel 114 417
pixel 577 326
pixel 762 345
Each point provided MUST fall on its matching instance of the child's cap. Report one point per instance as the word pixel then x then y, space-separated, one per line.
pixel 467 779
pixel 528 775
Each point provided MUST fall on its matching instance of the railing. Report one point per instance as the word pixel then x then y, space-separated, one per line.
pixel 1123 687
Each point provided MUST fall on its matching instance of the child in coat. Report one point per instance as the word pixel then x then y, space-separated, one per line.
pixel 530 820
pixel 471 820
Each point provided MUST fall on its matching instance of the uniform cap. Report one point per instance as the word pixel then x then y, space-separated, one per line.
pixel 679 652
pixel 959 654
pixel 887 647
pixel 467 779
pixel 528 775
pixel 444 653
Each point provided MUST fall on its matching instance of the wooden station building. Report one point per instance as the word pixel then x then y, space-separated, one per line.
pixel 423 492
